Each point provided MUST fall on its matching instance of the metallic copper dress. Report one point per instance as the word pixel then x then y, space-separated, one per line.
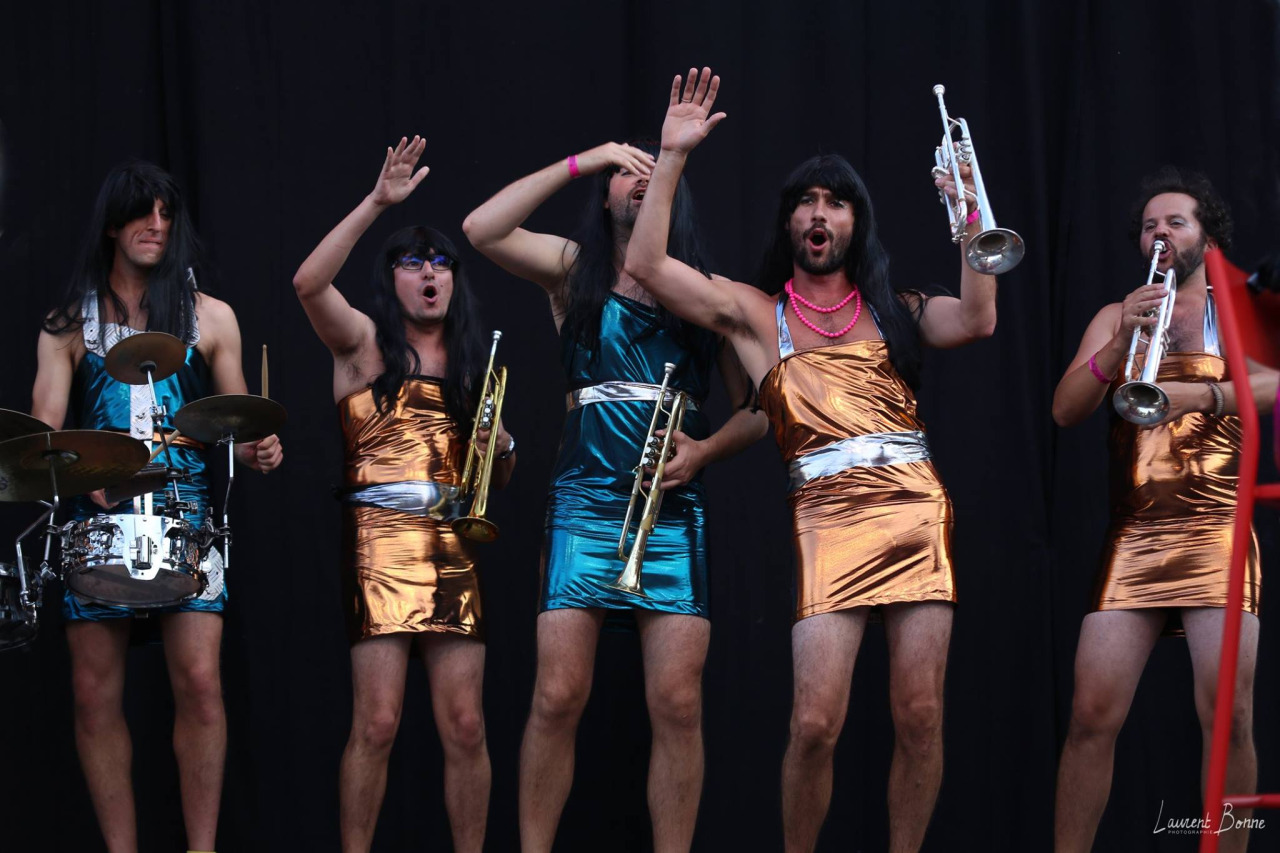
pixel 404 569
pixel 1173 492
pixel 872 521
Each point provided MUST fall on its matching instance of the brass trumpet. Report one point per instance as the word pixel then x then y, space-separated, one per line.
pixel 653 454
pixel 478 470
pixel 993 250
pixel 1142 401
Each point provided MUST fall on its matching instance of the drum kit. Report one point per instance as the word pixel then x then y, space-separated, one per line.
pixel 144 559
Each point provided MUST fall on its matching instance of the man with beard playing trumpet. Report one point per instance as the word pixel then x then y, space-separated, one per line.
pixel 836 355
pixel 1168 549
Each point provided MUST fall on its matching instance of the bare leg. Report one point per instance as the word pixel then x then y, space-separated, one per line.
pixel 919 635
pixel 675 649
pixel 1204 639
pixel 1112 652
pixel 823 649
pixel 378 667
pixel 455 668
pixel 566 655
pixel 102 735
pixel 192 646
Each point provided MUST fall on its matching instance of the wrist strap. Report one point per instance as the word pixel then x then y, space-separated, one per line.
pixel 573 166
pixel 972 217
pixel 1097 374
pixel 1219 399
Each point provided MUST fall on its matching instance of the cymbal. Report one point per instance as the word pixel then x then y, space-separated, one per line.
pixel 151 478
pixel 244 417
pixel 16 424
pixel 83 459
pixel 125 360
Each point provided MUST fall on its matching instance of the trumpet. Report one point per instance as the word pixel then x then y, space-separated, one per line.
pixel 653 454
pixel 478 469
pixel 993 250
pixel 1142 401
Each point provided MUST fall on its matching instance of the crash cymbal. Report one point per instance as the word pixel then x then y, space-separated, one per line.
pixel 83 459
pixel 126 360
pixel 244 417
pixel 16 424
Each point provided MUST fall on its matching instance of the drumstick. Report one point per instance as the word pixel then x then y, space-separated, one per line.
pixel 160 448
pixel 264 371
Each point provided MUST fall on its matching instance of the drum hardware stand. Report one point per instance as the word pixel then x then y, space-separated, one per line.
pixel 29 597
pixel 157 417
pixel 225 530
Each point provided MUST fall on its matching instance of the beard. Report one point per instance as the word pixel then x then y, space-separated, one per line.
pixel 1185 264
pixel 623 213
pixel 837 253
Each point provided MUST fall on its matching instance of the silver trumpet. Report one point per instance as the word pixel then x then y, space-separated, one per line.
pixel 1142 401
pixel 993 250
pixel 653 454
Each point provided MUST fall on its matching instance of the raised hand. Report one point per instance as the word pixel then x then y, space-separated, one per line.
pixel 689 118
pixel 398 179
pixel 945 181
pixel 618 156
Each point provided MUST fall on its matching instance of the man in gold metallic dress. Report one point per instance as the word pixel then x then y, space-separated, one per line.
pixel 405 382
pixel 1173 486
pixel 836 355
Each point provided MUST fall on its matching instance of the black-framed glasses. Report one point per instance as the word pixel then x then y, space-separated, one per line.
pixel 413 263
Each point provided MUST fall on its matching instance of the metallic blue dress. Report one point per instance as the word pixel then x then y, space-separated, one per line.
pixel 593 475
pixel 100 402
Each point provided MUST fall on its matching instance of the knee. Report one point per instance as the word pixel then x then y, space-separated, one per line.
pixel 462 729
pixel 675 706
pixel 375 730
pixel 197 692
pixel 917 723
pixel 559 700
pixel 1095 715
pixel 815 728
pixel 1241 717
pixel 96 696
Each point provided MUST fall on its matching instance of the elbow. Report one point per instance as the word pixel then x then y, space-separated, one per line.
pixel 1063 414
pixel 639 267
pixel 473 227
pixel 302 284
pixel 983 327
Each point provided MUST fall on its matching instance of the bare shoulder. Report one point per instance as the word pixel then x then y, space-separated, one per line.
pixel 210 309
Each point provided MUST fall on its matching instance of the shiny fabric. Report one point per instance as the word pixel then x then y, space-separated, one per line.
pixel 402 571
pixel 592 479
pixel 612 392
pixel 99 402
pixel 1173 492
pixel 859 451
pixel 868 535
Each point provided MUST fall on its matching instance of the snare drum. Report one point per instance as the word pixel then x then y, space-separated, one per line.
pixel 17 622
pixel 132 560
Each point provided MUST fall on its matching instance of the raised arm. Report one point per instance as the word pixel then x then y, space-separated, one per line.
pixel 342 328
pixel 494 227
pixel 950 322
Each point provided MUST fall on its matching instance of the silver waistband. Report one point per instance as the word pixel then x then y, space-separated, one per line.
pixel 606 392
pixel 860 451
pixel 417 497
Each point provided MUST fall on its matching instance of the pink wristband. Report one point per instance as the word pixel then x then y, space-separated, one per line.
pixel 573 166
pixel 1097 374
pixel 972 217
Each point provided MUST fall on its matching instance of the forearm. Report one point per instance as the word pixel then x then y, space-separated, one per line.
pixel 648 244
pixel 1081 392
pixel 507 211
pixel 977 297
pixel 742 430
pixel 323 264
pixel 1263 387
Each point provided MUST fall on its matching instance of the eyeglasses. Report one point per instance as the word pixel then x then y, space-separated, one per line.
pixel 413 263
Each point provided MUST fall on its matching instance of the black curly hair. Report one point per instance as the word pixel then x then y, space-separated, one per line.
pixel 1211 211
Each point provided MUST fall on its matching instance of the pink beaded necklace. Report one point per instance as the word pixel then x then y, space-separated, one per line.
pixel 798 300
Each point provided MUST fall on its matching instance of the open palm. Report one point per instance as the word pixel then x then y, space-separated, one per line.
pixel 398 178
pixel 689 118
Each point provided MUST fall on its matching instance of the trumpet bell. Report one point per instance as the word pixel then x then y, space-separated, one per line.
pixel 994 251
pixel 475 529
pixel 1141 403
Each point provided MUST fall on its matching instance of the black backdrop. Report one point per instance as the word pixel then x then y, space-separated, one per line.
pixel 274 118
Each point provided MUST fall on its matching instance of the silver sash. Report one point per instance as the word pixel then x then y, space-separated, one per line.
pixel 417 497
pixel 606 392
pixel 860 451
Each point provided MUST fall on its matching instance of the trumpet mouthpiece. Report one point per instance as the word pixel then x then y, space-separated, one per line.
pixel 496 334
pixel 939 90
pixel 1157 247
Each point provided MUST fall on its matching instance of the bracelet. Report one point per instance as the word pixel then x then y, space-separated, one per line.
pixel 1219 399
pixel 511 448
pixel 1097 373
pixel 573 166
pixel 972 217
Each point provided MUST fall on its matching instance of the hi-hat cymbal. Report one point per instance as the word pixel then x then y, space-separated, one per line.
pixel 244 417
pixel 126 360
pixel 82 459
pixel 16 424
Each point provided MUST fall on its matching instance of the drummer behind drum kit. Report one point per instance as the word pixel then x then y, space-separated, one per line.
pixel 139 560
